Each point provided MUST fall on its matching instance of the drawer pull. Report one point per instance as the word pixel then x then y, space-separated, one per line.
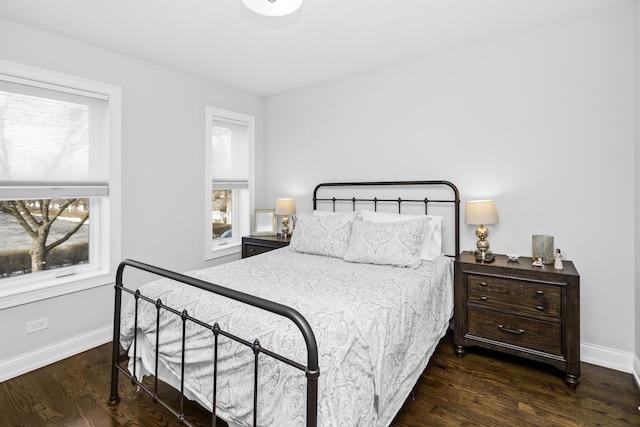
pixel 483 283
pixel 483 298
pixel 511 331
pixel 539 292
pixel 539 308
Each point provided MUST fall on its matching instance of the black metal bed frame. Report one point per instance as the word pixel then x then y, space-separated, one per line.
pixel 311 370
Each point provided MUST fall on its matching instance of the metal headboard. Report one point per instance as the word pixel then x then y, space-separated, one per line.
pixel 454 200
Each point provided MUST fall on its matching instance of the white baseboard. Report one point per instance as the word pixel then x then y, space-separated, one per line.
pixel 636 370
pixel 21 364
pixel 608 358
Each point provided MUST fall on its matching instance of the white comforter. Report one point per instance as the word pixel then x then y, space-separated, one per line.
pixel 376 326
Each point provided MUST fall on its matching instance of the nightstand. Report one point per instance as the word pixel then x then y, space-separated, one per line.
pixel 516 308
pixel 254 245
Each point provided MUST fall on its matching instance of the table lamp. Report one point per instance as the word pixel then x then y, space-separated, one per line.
pixel 285 207
pixel 481 212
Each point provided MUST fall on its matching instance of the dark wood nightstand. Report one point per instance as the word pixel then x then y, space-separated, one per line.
pixel 516 308
pixel 254 245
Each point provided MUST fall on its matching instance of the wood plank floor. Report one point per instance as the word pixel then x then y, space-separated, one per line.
pixel 482 389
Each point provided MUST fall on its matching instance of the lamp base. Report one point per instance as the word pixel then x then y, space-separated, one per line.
pixel 488 256
pixel 285 226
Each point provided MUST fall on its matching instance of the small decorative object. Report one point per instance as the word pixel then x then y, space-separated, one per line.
pixel 285 207
pixel 513 257
pixel 542 246
pixel 537 261
pixel 557 263
pixel 480 212
pixel 265 222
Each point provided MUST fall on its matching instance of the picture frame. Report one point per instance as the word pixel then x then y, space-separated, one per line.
pixel 265 222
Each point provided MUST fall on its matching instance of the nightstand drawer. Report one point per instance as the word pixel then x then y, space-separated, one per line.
pixel 251 250
pixel 515 330
pixel 255 245
pixel 519 296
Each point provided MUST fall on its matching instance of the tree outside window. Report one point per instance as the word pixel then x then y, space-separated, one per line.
pixel 42 235
pixel 222 214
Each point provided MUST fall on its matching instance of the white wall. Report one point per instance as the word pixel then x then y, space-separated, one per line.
pixel 163 139
pixel 636 365
pixel 541 120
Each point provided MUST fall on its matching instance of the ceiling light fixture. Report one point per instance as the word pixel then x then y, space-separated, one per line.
pixel 273 7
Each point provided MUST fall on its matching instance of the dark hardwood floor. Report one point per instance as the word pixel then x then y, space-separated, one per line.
pixel 482 389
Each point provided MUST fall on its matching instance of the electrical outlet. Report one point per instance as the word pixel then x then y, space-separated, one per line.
pixel 37 325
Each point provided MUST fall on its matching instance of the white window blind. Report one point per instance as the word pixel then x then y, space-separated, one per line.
pixel 53 141
pixel 230 155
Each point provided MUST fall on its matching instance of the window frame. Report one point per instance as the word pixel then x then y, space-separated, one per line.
pixel 242 215
pixel 105 212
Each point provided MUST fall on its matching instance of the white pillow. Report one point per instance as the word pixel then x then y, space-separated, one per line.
pixel 431 243
pixel 391 243
pixel 322 235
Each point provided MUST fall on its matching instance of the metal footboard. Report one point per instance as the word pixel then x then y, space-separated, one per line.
pixel 311 369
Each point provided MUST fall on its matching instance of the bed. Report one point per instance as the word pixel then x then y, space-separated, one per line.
pixel 334 329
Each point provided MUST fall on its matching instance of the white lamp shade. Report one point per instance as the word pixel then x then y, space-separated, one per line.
pixel 273 7
pixel 481 212
pixel 285 207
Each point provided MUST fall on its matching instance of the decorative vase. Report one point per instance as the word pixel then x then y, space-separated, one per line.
pixel 543 246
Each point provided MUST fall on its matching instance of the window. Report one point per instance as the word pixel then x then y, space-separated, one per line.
pixel 229 176
pixel 55 186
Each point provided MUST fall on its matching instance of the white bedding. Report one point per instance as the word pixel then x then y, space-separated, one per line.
pixel 376 327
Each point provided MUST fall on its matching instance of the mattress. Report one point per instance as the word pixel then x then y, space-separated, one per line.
pixel 376 327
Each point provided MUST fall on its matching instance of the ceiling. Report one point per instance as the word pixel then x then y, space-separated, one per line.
pixel 223 41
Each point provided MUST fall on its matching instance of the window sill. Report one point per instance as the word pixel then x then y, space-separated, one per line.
pixel 224 250
pixel 36 291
